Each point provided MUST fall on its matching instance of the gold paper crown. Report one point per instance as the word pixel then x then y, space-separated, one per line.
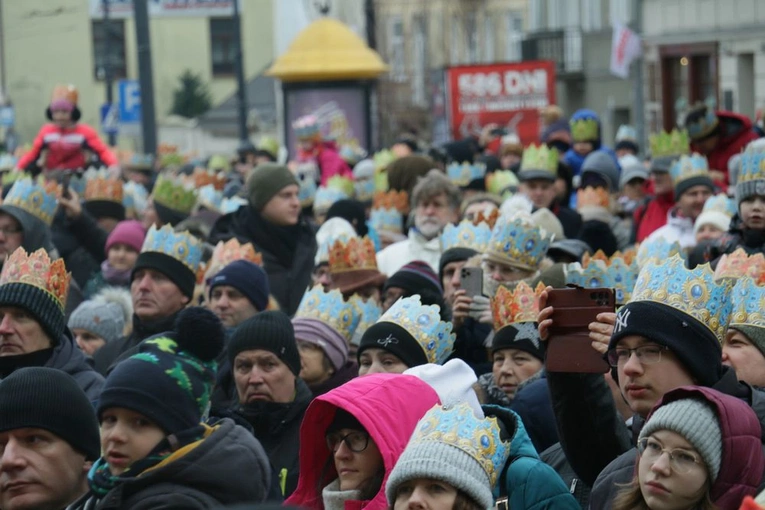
pixel 100 186
pixel 355 254
pixel 739 264
pixel 584 130
pixel 490 219
pixel 398 200
pixel 37 270
pixel 174 194
pixel 202 177
pixel 541 160
pixel 225 253
pixel 514 306
pixel 666 144
pixel 68 92
pixel 591 196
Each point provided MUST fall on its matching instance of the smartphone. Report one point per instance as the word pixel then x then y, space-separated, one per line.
pixel 498 132
pixel 471 279
pixel 569 348
pixel 65 184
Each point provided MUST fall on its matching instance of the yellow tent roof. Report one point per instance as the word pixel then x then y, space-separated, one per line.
pixel 327 50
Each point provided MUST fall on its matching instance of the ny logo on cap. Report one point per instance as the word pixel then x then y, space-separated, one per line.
pixel 621 319
pixel 385 342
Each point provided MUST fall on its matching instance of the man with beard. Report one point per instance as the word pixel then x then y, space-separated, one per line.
pixel 436 203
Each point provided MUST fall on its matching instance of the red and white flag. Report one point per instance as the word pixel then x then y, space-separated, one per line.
pixel 625 47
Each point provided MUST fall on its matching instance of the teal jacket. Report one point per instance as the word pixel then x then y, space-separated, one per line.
pixel 529 483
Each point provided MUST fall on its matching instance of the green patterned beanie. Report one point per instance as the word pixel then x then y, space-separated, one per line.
pixel 170 380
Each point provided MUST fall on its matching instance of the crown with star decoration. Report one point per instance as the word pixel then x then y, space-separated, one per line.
pixel 467 234
pixel 584 130
pixel 174 193
pixel 740 264
pixel 38 270
pixel 354 254
pixel 618 272
pixel 424 324
pixel 182 246
pixel 673 144
pixel 688 167
pixel 519 241
pixel 458 426
pixel 463 174
pixel 370 313
pixel 539 161
pixel 692 291
pixel 99 185
pixel 514 306
pixel 748 303
pixel 330 308
pixel 658 249
pixel 37 197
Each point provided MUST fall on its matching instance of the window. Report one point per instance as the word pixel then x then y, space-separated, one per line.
pixel 555 13
pixel 116 57
pixel 396 49
pixel 592 15
pixel 513 36
pixel 420 39
pixel 222 46
pixel 488 38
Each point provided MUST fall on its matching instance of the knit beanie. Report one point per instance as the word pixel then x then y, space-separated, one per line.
pixel 394 339
pixel 523 336
pixel 717 219
pixel 415 276
pixel 170 380
pixel 50 399
pixel 755 334
pixel 692 343
pixel 604 165
pixel 130 233
pixel 318 333
pixel 246 277
pixel 265 181
pixel 457 254
pixel 269 331
pixel 344 420
pixel 103 319
pixel 696 421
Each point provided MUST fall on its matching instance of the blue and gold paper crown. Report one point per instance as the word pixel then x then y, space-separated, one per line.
pixel 386 220
pixel 671 144
pixel 539 162
pixel 463 174
pixel 307 127
pixel 210 198
pixel 134 198
pixel 329 308
pixel 584 130
pixel 748 304
pixel 618 272
pixel 692 291
pixel 325 197
pixel 658 249
pixel 229 205
pixel 704 125
pixel 720 203
pixel 37 197
pixel 517 241
pixel 364 189
pixel 458 426
pixel 425 325
pixel 466 235
pixel 370 313
pixel 182 246
pixel 688 167
pixel 752 164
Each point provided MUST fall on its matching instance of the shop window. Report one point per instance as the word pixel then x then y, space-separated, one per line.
pixel 222 46
pixel 116 57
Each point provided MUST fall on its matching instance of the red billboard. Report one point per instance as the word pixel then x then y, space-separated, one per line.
pixel 506 94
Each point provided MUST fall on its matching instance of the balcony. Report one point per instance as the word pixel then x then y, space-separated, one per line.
pixel 564 47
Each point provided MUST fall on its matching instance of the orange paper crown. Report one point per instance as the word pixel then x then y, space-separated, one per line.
pixel 104 189
pixel 628 256
pixel 225 253
pixel 202 177
pixel 520 305
pixel 489 219
pixel 357 254
pixel 590 196
pixel 739 263
pixel 68 92
pixel 38 271
pixel 398 200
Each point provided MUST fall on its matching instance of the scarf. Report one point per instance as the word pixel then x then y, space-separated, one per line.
pixel 8 364
pixel 281 241
pixel 113 276
pixel 102 481
pixel 494 393
pixel 334 498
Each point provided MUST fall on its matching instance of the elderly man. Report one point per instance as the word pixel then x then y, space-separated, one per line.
pixel 272 398
pixel 436 203
pixel 33 330
pixel 50 438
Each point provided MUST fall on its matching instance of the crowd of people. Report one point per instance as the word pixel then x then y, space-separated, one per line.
pixel 345 330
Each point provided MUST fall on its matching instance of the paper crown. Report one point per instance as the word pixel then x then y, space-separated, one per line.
pixel 383 158
pixel 687 167
pixel 209 197
pixel 10 177
pixel 704 125
pixel 626 133
pixel 692 291
pixel 307 173
pixel 37 270
pixel 398 200
pixel 720 203
pixel 141 161
pixel 502 183
pixel 740 264
pixel 584 130
pixel 386 220
pixel 203 177
pixel 216 165
pixel 37 197
pixel 618 272
pixel 229 205
pixel 425 325
pixel 7 162
pixel 134 198
pixel 539 161
pixel 458 426
pixel 329 308
pixel 99 185
pixel 322 252
pixel 514 306
pixel 590 196
pixel 489 218
pixel 341 183
pixel 388 210
pixel 227 252
pixel 171 159
pixel 658 249
pixel 666 144
pixel 174 194
pixel 307 127
pixel 518 241
pixel 370 312
pixel 182 246
pixel 752 165
pixel 748 303
pixel 67 92
pixel 364 189
pixel 463 174
pixel 352 154
pixel 466 234
pixel 325 197
pixel 353 254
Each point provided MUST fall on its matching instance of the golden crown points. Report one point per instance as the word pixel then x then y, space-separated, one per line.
pixel 99 185
pixel 203 177
pixel 227 252
pixel 37 269
pixel 740 264
pixel 748 300
pixel 37 197
pixel 353 254
pixel 174 194
pixel 398 200
pixel 490 219
pixel 514 306
pixel 584 130
pixel 688 167
pixel 592 197
pixel 331 309
pixel 671 144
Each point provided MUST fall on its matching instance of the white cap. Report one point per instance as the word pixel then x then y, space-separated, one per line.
pixel 453 381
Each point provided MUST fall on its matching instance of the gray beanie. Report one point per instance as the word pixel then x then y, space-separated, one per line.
pixel 697 422
pixel 605 165
pixel 755 334
pixel 265 181
pixel 100 318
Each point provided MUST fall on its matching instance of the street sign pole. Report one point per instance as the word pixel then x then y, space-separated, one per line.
pixel 148 117
pixel 108 65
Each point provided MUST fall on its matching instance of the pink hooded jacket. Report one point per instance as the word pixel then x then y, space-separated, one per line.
pixel 331 164
pixel 387 405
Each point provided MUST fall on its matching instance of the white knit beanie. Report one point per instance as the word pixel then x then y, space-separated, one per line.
pixel 717 219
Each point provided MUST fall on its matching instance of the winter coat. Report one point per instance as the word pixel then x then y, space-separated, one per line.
pixel 652 216
pixel 78 259
pixel 529 483
pixel 66 147
pixel 556 459
pixel 742 462
pixel 569 219
pixel 36 233
pixel 736 133
pixel 415 247
pixel 68 358
pixel 277 427
pixel 227 467
pixel 347 372
pixel 677 228
pixel 738 236
pixel 469 345
pixel 331 164
pixel 532 404
pixel 287 280
pixel 383 404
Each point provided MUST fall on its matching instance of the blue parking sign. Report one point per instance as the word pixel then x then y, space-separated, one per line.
pixel 130 101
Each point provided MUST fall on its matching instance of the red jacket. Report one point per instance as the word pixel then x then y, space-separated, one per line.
pixel 736 132
pixel 66 148
pixel 653 215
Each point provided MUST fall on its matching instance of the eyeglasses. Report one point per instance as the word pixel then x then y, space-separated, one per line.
pixel 9 231
pixel 356 441
pixel 646 355
pixel 681 461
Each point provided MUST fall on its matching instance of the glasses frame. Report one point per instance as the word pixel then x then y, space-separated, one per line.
pixel 673 462
pixel 344 439
pixel 637 351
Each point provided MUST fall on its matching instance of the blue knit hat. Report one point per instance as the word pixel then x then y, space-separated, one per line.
pixel 247 278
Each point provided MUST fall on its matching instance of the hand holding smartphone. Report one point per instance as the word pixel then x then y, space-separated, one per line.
pixel 471 280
